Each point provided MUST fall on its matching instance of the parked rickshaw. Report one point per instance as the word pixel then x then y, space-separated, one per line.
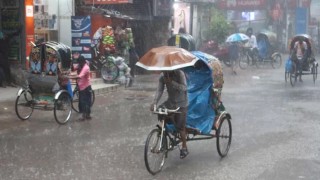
pixel 206 116
pixel 46 85
pixel 309 66
pixel 267 49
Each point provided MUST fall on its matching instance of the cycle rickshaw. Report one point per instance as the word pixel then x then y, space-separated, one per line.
pixel 206 116
pixel 267 50
pixel 309 66
pixel 46 83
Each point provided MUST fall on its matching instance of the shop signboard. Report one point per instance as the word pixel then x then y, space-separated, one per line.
pixel 92 2
pixel 301 20
pixel 10 24
pixel 81 41
pixel 242 4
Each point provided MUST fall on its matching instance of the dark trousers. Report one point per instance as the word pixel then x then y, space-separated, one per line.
pixel 85 101
pixel 4 63
pixel 2 76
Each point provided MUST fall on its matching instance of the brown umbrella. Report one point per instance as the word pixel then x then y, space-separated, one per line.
pixel 166 58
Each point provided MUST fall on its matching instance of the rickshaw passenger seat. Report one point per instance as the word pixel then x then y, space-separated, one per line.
pixel 51 67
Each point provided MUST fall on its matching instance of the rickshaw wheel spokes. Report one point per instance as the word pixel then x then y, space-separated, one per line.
pixel 276 61
pixel 314 71
pixel 224 136
pixel 62 108
pixel 154 156
pixel 75 100
pixel 109 71
pixel 24 105
pixel 244 61
pixel 293 75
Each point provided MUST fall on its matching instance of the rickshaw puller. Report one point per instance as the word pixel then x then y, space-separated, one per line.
pixel 83 79
pixel 176 84
pixel 301 51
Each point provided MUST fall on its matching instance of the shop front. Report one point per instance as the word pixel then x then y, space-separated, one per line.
pixel 10 21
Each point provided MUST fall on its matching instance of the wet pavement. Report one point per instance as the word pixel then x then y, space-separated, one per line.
pixel 275 135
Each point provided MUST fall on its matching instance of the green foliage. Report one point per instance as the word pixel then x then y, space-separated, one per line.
pixel 219 27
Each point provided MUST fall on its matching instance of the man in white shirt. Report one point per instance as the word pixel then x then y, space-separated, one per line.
pixel 252 43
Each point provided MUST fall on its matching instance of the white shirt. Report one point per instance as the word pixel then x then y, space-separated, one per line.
pixel 252 42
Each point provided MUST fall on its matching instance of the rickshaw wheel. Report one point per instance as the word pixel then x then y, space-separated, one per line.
pixel 244 61
pixel 154 157
pixel 293 75
pixel 75 99
pixel 314 71
pixel 224 136
pixel 109 71
pixel 24 105
pixel 62 108
pixel 286 76
pixel 276 61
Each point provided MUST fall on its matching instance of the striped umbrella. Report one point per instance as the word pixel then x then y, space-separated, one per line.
pixel 237 37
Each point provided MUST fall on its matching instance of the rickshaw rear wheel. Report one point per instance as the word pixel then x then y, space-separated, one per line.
pixel 224 136
pixel 293 75
pixel 62 108
pixel 154 156
pixel 276 61
pixel 286 76
pixel 24 105
pixel 75 99
pixel 314 71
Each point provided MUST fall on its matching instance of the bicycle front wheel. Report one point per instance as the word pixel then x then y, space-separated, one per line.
pixel 244 62
pixel 109 71
pixel 224 136
pixel 155 151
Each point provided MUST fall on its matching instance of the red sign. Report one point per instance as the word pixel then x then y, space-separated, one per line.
pixel 242 4
pixel 107 1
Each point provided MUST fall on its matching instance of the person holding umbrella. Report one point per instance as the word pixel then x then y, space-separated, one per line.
pixel 234 48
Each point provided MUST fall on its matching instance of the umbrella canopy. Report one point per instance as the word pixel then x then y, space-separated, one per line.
pixel 237 37
pixel 166 58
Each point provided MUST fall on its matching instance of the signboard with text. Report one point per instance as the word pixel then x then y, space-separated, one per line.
pixel 107 1
pixel 81 41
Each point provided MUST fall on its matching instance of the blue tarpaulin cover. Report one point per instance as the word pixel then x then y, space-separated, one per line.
pixel 199 80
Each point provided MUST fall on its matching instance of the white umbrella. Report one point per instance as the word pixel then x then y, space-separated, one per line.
pixel 237 37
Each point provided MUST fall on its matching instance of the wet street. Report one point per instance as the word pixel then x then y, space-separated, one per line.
pixel 275 135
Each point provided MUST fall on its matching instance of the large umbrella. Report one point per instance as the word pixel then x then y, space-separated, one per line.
pixel 166 58
pixel 237 37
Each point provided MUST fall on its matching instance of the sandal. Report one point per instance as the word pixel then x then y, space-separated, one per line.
pixel 183 153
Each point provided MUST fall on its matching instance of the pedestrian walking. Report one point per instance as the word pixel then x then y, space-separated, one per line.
pixel 234 56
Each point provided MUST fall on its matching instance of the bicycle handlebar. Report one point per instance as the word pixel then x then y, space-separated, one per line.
pixel 164 110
